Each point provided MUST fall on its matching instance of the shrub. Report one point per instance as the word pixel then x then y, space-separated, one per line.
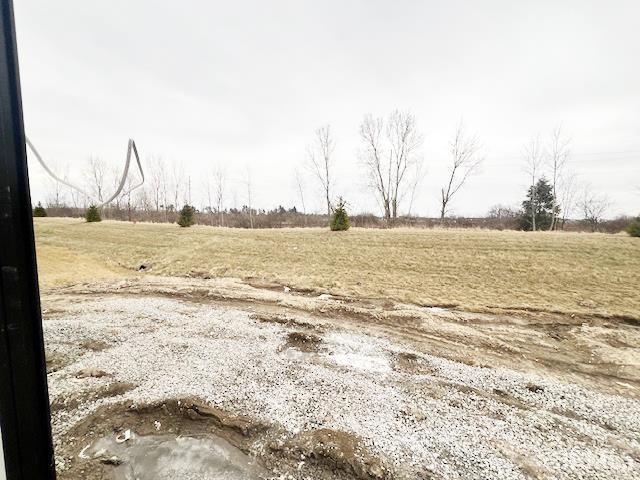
pixel 187 216
pixel 39 211
pixel 93 214
pixel 634 228
pixel 340 219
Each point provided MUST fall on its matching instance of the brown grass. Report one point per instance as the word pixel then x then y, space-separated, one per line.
pixel 59 265
pixel 471 269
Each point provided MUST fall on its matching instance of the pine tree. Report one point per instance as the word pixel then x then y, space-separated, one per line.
pixel 187 216
pixel 542 206
pixel 93 214
pixel 340 219
pixel 634 228
pixel 39 211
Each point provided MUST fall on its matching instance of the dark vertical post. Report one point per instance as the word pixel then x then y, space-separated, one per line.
pixel 24 402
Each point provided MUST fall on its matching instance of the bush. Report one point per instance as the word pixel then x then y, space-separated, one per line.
pixel 93 214
pixel 634 228
pixel 340 219
pixel 39 211
pixel 187 216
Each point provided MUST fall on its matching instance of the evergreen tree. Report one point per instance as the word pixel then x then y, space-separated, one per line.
pixel 93 214
pixel 540 198
pixel 39 211
pixel 340 219
pixel 634 228
pixel 187 216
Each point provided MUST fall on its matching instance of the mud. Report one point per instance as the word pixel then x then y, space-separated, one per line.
pixel 304 342
pixel 423 410
pixel 596 352
pixel 92 453
pixel 165 457
pixel 340 451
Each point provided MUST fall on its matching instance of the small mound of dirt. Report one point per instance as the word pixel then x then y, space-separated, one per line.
pixel 263 284
pixel 94 345
pixel 532 387
pixel 91 372
pixel 241 424
pixel 282 320
pixel 411 363
pixel 304 342
pixel 201 274
pixel 71 402
pixel 56 361
pixel 337 450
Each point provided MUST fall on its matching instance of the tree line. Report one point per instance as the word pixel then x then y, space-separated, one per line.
pixel 390 154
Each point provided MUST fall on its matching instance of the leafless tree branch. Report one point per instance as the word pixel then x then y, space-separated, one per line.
pixel 391 155
pixel 464 163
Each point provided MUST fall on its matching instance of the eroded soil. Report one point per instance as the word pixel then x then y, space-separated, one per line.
pixel 315 386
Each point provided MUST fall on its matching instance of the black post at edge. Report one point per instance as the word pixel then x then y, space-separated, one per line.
pixel 24 401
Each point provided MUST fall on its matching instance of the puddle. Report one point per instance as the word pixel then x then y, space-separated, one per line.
pixel 164 457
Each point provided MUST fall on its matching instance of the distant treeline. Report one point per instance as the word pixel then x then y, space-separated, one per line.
pixel 497 219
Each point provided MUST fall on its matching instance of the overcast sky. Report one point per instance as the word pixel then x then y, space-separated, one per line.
pixel 246 83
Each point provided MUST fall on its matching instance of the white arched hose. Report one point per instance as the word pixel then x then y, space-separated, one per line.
pixel 130 147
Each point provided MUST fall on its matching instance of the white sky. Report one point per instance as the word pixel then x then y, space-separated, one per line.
pixel 246 83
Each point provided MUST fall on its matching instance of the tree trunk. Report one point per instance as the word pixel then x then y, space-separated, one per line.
pixel 328 204
pixel 533 208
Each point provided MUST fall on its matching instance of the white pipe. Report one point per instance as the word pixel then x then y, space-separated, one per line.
pixel 131 146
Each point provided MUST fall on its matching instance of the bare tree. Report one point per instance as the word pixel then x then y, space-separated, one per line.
pixel 464 163
pixel 219 177
pixel 413 185
pixel 377 161
pixel 56 192
pixel 533 157
pixel 567 192
pixel 300 186
pixel 321 162
pixel 187 191
pixel 209 191
pixel 392 157
pixel 96 177
pixel 114 175
pixel 158 184
pixel 143 200
pixel 164 187
pixel 128 196
pixel 215 185
pixel 156 169
pixel 593 207
pixel 558 152
pixel 78 200
pixel 248 184
pixel 177 184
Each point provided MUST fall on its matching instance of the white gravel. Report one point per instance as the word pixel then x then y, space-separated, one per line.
pixel 450 422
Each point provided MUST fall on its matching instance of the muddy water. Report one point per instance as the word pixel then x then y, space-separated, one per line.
pixel 161 457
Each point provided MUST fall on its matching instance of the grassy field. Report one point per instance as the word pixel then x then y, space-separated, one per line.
pixel 469 269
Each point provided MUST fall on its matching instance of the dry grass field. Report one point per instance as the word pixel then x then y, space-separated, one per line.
pixel 468 269
pixel 362 384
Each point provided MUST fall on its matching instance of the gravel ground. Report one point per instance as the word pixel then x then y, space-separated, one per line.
pixel 426 415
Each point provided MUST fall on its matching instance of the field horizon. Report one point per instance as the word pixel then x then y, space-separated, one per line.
pixel 475 270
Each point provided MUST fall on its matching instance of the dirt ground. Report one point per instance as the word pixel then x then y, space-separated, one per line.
pixel 317 386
